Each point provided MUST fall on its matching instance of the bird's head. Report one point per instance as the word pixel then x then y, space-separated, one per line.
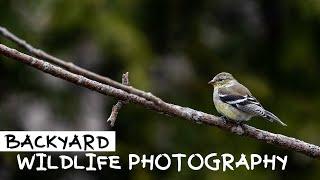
pixel 221 79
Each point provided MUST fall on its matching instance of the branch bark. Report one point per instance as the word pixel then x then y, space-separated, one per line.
pixel 166 108
pixel 75 69
pixel 116 108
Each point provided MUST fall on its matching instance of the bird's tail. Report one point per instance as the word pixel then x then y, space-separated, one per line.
pixel 271 117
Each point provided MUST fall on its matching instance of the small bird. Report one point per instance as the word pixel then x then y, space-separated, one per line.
pixel 234 101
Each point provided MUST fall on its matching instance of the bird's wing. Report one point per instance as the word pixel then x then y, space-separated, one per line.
pixel 240 97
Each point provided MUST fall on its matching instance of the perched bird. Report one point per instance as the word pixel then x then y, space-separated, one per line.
pixel 234 101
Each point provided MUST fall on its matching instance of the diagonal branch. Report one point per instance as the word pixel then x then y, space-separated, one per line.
pixel 74 68
pixel 166 108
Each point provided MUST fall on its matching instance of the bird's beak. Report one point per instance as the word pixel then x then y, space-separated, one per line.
pixel 212 81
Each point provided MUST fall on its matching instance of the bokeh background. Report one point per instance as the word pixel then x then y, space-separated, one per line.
pixel 171 48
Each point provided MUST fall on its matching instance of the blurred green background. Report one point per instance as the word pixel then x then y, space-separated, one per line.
pixel 171 48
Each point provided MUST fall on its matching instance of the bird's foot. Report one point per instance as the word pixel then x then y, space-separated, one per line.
pixel 224 119
pixel 236 122
pixel 239 123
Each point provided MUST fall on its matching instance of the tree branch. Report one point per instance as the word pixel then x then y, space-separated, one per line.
pixel 116 108
pixel 166 108
pixel 75 69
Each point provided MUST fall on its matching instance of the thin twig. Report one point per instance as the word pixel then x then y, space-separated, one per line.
pixel 116 108
pixel 74 68
pixel 166 108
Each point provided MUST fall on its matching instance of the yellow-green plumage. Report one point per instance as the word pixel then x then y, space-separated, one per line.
pixel 235 101
pixel 226 109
